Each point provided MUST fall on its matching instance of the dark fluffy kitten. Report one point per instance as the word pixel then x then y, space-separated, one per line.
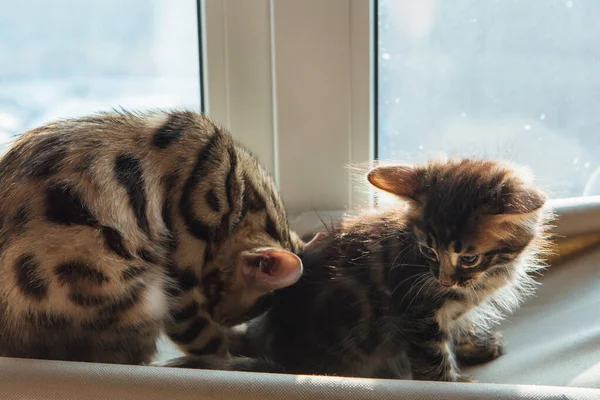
pixel 419 286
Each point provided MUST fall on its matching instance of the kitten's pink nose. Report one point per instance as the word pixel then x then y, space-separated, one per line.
pixel 447 280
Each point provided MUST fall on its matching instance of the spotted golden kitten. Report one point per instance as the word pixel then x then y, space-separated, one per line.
pixel 117 226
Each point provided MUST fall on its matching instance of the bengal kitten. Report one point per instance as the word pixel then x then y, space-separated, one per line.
pixel 406 293
pixel 117 226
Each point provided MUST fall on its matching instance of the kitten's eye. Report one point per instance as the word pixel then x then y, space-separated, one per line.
pixel 427 252
pixel 468 261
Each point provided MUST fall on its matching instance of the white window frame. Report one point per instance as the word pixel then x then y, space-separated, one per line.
pixel 306 122
pixel 294 81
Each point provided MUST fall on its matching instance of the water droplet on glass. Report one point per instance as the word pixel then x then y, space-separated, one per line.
pixel 587 165
pixel 527 127
pixel 386 56
pixel 397 100
pixel 542 116
pixel 569 4
pixel 575 160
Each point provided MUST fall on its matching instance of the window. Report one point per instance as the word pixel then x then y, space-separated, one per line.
pixel 501 78
pixel 66 58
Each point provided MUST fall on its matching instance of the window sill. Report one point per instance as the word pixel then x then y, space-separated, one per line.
pixel 59 380
pixel 575 216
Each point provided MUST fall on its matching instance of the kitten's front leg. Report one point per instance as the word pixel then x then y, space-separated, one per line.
pixel 478 346
pixel 431 356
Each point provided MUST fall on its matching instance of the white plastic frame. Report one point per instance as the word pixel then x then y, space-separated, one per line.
pixel 293 81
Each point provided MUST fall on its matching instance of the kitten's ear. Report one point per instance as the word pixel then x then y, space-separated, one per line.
pixel 524 199
pixel 314 241
pixel 270 269
pixel 301 245
pixel 401 180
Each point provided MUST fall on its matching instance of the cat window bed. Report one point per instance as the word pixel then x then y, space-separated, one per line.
pixel 552 348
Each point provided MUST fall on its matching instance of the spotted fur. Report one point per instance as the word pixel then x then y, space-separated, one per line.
pixel 387 293
pixel 118 226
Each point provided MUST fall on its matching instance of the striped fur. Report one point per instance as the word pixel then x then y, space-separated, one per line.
pixel 118 226
pixel 406 293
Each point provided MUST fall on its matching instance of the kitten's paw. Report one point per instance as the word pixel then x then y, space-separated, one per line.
pixel 454 377
pixel 466 379
pixel 480 350
pixel 495 345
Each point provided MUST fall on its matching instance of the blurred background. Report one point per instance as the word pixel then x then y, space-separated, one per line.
pixel 518 79
pixel 501 78
pixel 63 58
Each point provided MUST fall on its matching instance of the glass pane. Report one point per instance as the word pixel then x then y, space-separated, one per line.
pixel 64 58
pixel 513 79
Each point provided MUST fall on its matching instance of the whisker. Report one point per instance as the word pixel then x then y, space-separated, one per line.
pixel 417 295
pixel 412 265
pixel 422 278
pixel 400 284
pixel 401 252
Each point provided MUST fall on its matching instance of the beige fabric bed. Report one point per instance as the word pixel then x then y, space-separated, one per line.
pixel 553 340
